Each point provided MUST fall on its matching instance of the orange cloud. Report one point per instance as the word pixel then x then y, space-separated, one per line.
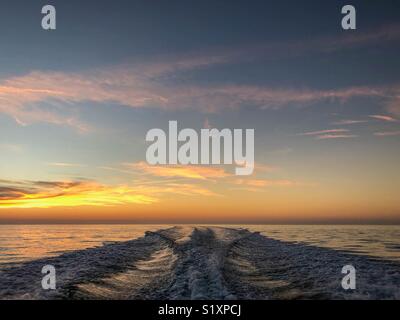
pixel 45 194
pixel 189 172
pixel 263 168
pixel 174 188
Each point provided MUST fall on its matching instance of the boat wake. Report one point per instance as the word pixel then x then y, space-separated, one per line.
pixel 203 263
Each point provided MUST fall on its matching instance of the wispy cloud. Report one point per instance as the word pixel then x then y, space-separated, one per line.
pixel 202 177
pixel 189 172
pixel 147 84
pixel 262 183
pixel 329 134
pixel 387 133
pixel 48 194
pixel 320 132
pixel 383 118
pixel 172 188
pixel 266 168
pixel 348 122
pixel 63 164
pixel 335 136
pixel 295 48
pixel 126 87
pixel 21 100
pixel 385 33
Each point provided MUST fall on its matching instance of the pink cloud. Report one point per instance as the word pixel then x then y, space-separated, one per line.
pixel 383 118
pixel 316 133
pixel 190 172
pixel 146 85
pixel 349 122
pixel 20 96
pixel 336 136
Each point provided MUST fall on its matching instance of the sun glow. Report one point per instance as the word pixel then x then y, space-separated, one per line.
pixel 69 194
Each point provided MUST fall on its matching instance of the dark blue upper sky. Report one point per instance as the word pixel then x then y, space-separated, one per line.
pixel 95 33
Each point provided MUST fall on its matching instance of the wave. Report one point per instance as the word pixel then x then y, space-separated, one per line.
pixel 203 263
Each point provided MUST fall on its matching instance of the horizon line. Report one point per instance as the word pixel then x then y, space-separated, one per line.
pixel 320 223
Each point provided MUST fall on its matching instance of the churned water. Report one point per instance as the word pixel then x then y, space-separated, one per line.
pixel 199 262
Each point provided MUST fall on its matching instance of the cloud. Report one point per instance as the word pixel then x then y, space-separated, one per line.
pixel 63 164
pixel 383 118
pixel 149 85
pixel 348 122
pixel 22 101
pixel 125 86
pixel 385 33
pixel 336 136
pixel 134 86
pixel 234 96
pixel 172 178
pixel 48 194
pixel 259 183
pixel 203 174
pixel 184 189
pixel 316 133
pixel 329 134
pixel 289 49
pixel 264 168
pixel 387 133
pixel 180 171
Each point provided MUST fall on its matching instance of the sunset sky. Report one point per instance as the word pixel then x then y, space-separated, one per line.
pixel 76 104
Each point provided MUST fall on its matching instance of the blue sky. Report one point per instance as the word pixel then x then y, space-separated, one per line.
pixel 76 103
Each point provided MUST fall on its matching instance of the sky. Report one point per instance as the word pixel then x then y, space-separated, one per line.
pixel 76 104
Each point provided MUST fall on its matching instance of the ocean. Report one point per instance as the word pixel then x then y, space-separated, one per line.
pixel 199 262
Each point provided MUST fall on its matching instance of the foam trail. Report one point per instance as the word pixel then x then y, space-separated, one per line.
pixel 203 263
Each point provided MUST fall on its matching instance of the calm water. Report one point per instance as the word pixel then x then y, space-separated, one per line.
pixel 19 243
pixel 377 241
